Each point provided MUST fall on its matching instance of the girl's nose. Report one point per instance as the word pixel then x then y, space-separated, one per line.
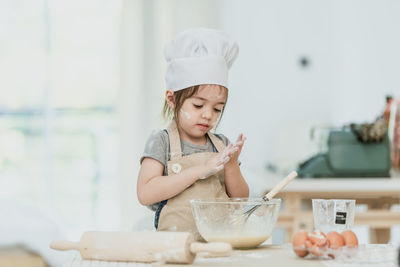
pixel 207 114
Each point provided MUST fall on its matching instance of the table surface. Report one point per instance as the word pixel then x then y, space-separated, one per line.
pixel 265 255
pixel 272 255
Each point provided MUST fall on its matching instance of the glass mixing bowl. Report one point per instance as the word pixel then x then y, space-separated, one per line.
pixel 224 220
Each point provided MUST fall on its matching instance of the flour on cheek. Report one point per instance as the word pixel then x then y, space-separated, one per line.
pixel 185 114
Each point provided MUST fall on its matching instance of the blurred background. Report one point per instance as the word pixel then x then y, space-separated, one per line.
pixel 82 87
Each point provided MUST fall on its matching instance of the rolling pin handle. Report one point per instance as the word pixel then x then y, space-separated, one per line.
pixel 64 245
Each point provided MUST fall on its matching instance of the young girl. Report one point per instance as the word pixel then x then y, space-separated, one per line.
pixel 187 161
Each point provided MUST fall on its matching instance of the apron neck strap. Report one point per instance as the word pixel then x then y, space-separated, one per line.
pixel 219 145
pixel 175 141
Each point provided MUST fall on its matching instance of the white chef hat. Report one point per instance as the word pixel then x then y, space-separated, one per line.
pixel 199 56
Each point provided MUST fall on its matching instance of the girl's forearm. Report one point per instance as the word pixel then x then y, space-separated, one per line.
pixel 235 184
pixel 160 188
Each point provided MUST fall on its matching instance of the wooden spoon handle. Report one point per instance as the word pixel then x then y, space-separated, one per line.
pixel 280 186
pixel 214 248
pixel 64 245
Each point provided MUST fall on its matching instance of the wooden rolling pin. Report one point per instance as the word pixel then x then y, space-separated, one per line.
pixel 168 247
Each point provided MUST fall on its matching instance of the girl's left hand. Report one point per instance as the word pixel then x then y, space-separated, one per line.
pixel 239 145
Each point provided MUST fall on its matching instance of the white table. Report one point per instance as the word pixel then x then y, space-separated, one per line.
pixel 265 255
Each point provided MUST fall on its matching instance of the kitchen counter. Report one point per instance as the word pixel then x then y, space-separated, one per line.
pixel 262 181
pixel 265 255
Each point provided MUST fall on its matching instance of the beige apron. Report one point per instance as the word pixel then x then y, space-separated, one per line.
pixel 176 215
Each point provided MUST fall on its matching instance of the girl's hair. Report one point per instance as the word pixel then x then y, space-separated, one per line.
pixel 180 97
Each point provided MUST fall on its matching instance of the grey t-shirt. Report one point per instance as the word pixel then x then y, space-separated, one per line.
pixel 158 148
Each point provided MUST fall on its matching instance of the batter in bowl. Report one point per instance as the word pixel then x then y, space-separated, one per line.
pixel 240 241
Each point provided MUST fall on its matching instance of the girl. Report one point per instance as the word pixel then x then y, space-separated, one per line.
pixel 187 161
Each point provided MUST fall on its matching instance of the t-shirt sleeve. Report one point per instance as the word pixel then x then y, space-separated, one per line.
pixel 157 147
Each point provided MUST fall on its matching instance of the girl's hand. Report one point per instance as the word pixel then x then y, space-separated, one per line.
pixel 216 163
pixel 239 145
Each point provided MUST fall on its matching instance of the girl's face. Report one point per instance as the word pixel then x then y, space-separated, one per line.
pixel 200 113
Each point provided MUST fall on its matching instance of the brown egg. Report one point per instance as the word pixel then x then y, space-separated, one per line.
pixel 350 239
pixel 317 238
pixel 335 240
pixel 299 243
pixel 314 249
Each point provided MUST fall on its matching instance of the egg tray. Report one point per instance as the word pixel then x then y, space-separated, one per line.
pixel 331 245
pixel 343 253
pixel 363 254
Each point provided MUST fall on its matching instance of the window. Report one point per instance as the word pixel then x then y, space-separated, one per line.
pixel 59 85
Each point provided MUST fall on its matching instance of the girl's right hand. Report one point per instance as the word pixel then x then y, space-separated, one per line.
pixel 216 163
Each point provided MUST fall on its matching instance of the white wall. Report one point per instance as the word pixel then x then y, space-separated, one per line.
pixel 353 47
pixel 145 27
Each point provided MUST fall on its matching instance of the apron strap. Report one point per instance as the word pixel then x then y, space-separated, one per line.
pixel 219 145
pixel 174 141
